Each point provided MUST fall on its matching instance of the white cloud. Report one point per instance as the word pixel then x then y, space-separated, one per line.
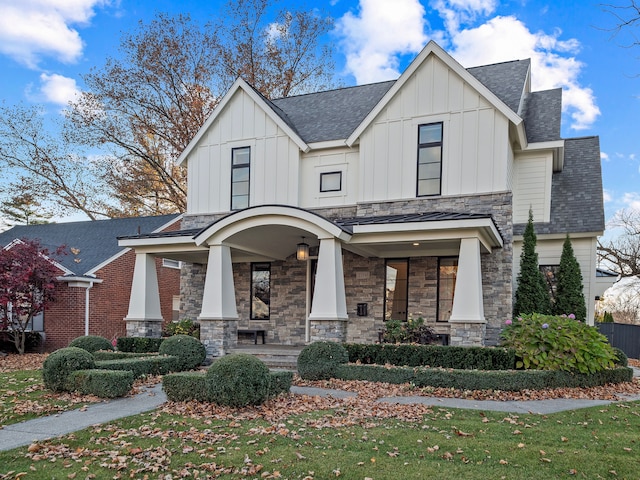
pixel 553 63
pixel 378 34
pixel 58 89
pixel 382 31
pixel 32 29
pixel 604 156
pixel 632 200
pixel 606 196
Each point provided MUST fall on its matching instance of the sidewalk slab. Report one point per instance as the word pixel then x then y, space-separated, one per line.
pixel 44 428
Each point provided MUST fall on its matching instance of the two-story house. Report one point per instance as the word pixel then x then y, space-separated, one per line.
pixel 321 216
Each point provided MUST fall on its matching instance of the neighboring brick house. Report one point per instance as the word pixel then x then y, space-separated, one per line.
pixel 321 216
pixel 96 272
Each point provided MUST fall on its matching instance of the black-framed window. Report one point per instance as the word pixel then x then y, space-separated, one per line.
pixel 240 169
pixel 330 181
pixel 260 291
pixel 447 274
pixel 429 159
pixel 396 290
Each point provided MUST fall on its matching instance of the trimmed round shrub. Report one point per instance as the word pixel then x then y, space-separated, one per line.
pixel 238 380
pixel 623 360
pixel 60 364
pixel 189 351
pixel 547 342
pixel 91 343
pixel 319 360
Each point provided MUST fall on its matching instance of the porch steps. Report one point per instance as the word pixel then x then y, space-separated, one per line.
pixel 280 357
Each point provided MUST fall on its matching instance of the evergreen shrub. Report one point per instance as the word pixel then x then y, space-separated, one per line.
pixel 102 383
pixel 547 342
pixel 482 358
pixel 60 364
pixel 103 355
pixel 318 361
pixel 139 344
pixel 506 380
pixel 189 351
pixel 622 359
pixel 91 343
pixel 280 382
pixel 238 380
pixel 569 298
pixel 141 366
pixel 186 386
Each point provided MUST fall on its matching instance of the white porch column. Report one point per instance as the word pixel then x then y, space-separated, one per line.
pixel 467 315
pixel 328 317
pixel 144 318
pixel 219 316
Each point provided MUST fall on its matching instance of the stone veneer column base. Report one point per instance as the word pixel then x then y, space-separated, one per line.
pixel 219 336
pixel 328 330
pixel 151 328
pixel 467 334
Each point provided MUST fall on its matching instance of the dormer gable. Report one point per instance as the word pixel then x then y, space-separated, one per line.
pixel 433 49
pixel 275 114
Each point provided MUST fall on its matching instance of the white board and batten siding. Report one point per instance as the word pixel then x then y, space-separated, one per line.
pixel 275 160
pixel 532 187
pixel 549 252
pixel 317 162
pixel 476 149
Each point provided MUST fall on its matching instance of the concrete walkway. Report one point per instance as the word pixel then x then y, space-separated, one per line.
pixel 44 428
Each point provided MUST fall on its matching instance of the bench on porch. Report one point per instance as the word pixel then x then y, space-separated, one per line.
pixel 254 333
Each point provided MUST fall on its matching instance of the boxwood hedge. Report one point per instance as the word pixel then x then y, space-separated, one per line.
pixel 102 383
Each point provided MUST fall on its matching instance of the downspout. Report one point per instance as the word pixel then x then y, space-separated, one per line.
pixel 86 309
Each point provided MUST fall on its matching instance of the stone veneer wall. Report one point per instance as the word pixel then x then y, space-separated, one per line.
pixel 364 279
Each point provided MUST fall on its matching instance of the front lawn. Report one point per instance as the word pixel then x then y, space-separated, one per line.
pixel 296 437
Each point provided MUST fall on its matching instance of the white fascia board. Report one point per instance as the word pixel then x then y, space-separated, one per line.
pixel 240 84
pixel 79 281
pixel 327 144
pixel 158 241
pixel 561 236
pixel 435 49
pixel 61 267
pixel 271 215
pixel 481 228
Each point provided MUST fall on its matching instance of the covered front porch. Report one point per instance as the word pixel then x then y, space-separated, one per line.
pixel 245 271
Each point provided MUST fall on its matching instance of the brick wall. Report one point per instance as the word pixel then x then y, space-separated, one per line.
pixel 108 302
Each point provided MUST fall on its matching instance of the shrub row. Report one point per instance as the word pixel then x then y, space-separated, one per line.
pixel 507 380
pixel 91 343
pixel 102 383
pixel 104 355
pixel 188 386
pixel 463 358
pixel 156 365
pixel 139 344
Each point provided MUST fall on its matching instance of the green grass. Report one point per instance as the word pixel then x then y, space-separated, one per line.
pixel 600 442
pixel 24 397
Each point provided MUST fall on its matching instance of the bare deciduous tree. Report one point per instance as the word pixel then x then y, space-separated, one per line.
pixel 623 252
pixel 46 166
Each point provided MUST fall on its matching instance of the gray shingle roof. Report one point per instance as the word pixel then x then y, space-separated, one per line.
pixel 542 113
pixel 506 80
pixel 330 115
pixel 96 240
pixel 335 114
pixel 576 191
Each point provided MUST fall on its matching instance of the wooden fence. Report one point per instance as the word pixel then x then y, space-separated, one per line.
pixel 625 337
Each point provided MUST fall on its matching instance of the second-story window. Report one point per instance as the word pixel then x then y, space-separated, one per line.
pixel 240 166
pixel 429 159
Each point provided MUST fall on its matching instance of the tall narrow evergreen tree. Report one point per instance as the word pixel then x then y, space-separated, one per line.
pixel 569 296
pixel 532 295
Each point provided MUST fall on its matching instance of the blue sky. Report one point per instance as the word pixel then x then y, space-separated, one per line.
pixel 46 45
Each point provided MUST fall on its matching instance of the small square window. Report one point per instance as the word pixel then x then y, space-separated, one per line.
pixel 331 182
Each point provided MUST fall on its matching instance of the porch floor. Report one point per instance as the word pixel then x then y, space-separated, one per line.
pixel 284 357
